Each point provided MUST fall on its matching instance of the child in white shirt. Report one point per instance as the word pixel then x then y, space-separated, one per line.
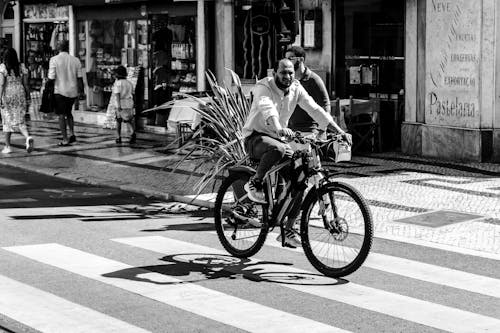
pixel 122 98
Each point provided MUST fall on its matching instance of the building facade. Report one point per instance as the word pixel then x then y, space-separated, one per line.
pixel 433 64
pixel 452 108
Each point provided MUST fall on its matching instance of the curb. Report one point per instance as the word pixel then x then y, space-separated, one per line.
pixel 133 188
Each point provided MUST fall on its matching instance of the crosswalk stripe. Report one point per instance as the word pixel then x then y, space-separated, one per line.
pixel 17 200
pixel 400 306
pixel 46 312
pixel 438 246
pixel 387 236
pixel 202 301
pixel 423 271
pixel 10 182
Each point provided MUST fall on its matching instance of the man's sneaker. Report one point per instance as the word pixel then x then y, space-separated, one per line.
pixel 29 144
pixel 254 191
pixel 291 239
pixel 247 215
pixel 6 150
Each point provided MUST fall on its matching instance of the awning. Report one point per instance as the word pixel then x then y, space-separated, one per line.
pixel 95 2
pixel 82 3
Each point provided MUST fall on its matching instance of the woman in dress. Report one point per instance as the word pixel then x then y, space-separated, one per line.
pixel 13 96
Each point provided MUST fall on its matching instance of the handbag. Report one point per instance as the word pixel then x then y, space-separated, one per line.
pixel 342 151
pixel 48 103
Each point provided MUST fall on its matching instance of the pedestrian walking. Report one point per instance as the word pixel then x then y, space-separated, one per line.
pixel 122 101
pixel 66 71
pixel 315 87
pixel 14 93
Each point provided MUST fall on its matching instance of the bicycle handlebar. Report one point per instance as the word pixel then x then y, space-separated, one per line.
pixel 299 138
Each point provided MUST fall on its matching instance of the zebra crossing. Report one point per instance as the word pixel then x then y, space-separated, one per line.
pixel 46 312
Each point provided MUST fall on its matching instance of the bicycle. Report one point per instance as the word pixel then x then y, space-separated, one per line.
pixel 332 211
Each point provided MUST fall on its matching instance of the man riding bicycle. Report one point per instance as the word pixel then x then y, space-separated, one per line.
pixel 274 100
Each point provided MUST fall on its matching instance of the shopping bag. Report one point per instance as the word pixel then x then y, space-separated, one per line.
pixel 342 150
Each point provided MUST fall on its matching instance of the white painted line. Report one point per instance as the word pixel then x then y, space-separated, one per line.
pixel 202 301
pixel 9 182
pixel 152 159
pixel 434 245
pixel 17 200
pixel 400 306
pixel 422 271
pixel 46 312
pixel 444 247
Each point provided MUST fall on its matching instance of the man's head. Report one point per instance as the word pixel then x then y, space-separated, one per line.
pixel 63 46
pixel 284 74
pixel 296 55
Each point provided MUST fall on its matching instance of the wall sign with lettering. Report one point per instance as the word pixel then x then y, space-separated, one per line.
pixel 453 63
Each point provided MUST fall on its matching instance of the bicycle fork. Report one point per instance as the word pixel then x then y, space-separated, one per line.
pixel 326 203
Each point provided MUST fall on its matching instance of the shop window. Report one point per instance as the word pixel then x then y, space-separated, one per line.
pixel 370 59
pixel 373 37
pixel 173 41
pixel 258 25
pixel 174 48
pixel 102 46
pixel 255 50
pixel 8 13
pixel 41 44
pixel 44 26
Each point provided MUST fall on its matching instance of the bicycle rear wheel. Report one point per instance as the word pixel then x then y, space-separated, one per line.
pixel 239 222
pixel 338 243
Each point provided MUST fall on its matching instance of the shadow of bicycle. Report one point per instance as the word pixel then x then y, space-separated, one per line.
pixel 197 267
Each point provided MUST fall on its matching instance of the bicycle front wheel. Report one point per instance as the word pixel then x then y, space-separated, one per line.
pixel 336 236
pixel 239 221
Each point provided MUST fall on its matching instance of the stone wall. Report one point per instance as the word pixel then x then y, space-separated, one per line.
pixel 452 70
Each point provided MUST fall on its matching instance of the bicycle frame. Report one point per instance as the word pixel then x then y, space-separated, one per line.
pixel 279 210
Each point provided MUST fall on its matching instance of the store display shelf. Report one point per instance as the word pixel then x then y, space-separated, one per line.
pixel 107 66
pixel 183 84
pixel 46 20
pixel 193 60
pixel 182 70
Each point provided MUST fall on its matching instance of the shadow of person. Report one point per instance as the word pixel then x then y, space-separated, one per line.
pixel 197 267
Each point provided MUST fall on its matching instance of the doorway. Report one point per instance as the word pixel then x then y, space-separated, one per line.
pixel 370 59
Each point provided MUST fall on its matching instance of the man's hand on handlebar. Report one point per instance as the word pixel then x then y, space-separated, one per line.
pixel 347 137
pixel 286 132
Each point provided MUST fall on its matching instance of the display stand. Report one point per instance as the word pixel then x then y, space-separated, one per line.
pixel 44 26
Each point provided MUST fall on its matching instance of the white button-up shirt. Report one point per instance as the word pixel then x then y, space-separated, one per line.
pixel 269 100
pixel 65 69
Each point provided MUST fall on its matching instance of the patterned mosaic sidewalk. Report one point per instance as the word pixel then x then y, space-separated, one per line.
pixel 453 204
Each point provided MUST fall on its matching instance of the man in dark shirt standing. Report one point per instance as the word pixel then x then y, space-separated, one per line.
pixel 300 120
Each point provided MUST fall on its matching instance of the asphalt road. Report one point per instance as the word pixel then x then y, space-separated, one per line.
pixel 76 258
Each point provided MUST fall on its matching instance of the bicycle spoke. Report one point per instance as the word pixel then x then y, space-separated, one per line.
pixel 238 221
pixel 337 244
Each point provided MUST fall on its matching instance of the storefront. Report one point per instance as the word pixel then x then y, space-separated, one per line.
pixel 369 59
pixel 261 37
pixel 356 47
pixel 163 44
pixel 9 31
pixel 452 88
pixel 43 25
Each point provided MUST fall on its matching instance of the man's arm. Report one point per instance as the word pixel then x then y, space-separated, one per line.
pixel 81 90
pixel 52 69
pixel 274 123
pixel 270 115
pixel 79 78
pixel 324 119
